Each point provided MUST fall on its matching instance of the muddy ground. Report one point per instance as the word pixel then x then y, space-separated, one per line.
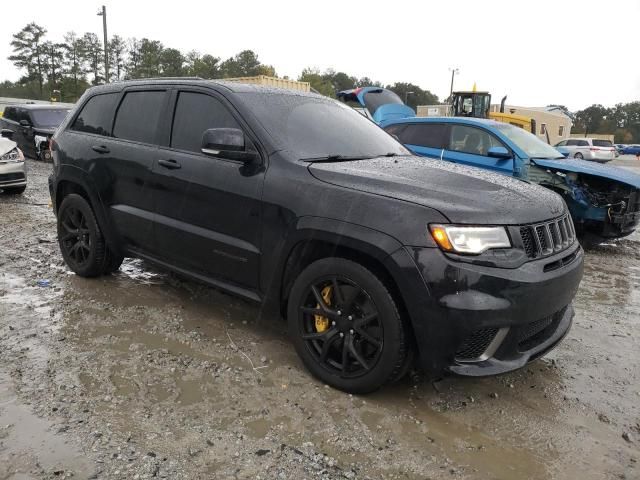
pixel 141 375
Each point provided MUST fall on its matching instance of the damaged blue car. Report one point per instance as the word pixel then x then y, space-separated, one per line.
pixel 603 200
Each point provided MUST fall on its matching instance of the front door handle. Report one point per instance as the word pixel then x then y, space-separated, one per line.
pixel 100 149
pixel 170 164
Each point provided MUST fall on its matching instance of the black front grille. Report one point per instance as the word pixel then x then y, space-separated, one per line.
pixel 476 344
pixel 548 238
pixel 533 334
pixel 11 177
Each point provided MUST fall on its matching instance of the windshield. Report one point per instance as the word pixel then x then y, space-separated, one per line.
pixel 314 127
pixel 48 118
pixel 377 98
pixel 532 146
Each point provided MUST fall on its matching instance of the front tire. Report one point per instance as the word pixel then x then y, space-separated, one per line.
pixel 346 327
pixel 81 242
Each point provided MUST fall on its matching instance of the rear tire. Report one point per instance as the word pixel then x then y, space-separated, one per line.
pixel 579 156
pixel 356 340
pixel 81 242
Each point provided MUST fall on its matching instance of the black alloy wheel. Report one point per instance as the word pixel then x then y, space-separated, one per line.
pixel 344 334
pixel 346 327
pixel 81 242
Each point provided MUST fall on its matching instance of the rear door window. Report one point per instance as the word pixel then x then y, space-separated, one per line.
pixel 583 143
pixel 430 135
pixel 138 116
pixel 195 113
pixel 97 115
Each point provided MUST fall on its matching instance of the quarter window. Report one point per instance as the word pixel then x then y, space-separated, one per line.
pixel 424 135
pixel 472 140
pixel 97 115
pixel 138 116
pixel 195 113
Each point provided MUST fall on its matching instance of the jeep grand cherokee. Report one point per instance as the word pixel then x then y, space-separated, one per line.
pixel 302 204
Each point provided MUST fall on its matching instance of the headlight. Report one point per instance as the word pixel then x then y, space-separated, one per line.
pixel 14 155
pixel 475 240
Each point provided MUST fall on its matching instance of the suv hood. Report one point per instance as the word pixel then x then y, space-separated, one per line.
pixel 592 168
pixel 462 194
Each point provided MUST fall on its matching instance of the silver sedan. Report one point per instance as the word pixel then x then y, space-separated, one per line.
pixel 13 170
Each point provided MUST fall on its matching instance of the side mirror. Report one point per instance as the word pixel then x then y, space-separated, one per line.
pixel 25 123
pixel 227 143
pixel 500 153
pixel 6 133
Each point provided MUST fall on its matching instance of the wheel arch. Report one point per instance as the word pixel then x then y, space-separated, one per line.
pixel 317 238
pixel 73 181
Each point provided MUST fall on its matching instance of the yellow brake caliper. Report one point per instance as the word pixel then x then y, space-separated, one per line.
pixel 322 322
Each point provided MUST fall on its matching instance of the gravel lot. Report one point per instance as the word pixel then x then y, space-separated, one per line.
pixel 144 375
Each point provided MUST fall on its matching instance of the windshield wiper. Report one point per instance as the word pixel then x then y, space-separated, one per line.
pixel 336 158
pixel 346 158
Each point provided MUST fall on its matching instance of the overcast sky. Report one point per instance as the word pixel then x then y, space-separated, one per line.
pixel 538 52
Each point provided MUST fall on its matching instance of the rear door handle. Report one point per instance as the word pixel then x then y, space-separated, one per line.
pixel 100 149
pixel 170 164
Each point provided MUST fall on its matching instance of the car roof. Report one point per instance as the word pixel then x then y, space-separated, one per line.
pixel 234 87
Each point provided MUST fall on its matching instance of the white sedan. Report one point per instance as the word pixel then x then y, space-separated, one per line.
pixel 13 170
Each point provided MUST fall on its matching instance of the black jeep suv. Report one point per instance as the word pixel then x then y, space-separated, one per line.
pixel 300 203
pixel 31 126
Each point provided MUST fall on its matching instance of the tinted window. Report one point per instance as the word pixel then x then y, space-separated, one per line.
pixel 424 135
pixel 48 118
pixel 10 113
pixel 97 115
pixel 472 140
pixel 377 98
pixel 562 143
pixel 602 143
pixel 195 113
pixel 22 115
pixel 572 143
pixel 312 126
pixel 138 116
pixel 582 143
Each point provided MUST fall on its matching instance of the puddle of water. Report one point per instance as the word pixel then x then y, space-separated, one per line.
pixel 26 435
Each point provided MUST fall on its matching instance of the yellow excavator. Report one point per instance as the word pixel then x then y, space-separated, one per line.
pixel 478 105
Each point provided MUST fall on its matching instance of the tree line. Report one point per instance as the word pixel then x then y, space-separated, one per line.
pixel 65 69
pixel 77 62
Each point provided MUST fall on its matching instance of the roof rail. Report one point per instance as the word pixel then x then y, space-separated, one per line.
pixel 166 78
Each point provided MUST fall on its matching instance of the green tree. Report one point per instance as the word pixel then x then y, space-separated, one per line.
pixel 205 66
pixel 117 51
pixel 413 95
pixel 72 62
pixel 150 59
pixel 54 59
pixel 28 53
pixel 171 62
pixel 132 66
pixel 93 56
pixel 319 82
pixel 244 64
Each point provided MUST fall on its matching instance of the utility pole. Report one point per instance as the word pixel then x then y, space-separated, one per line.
pixel 103 14
pixel 406 96
pixel 453 74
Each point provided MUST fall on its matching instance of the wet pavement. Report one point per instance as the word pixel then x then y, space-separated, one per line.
pixel 143 375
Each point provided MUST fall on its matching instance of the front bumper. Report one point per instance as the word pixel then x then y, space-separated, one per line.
pixel 13 174
pixel 477 320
